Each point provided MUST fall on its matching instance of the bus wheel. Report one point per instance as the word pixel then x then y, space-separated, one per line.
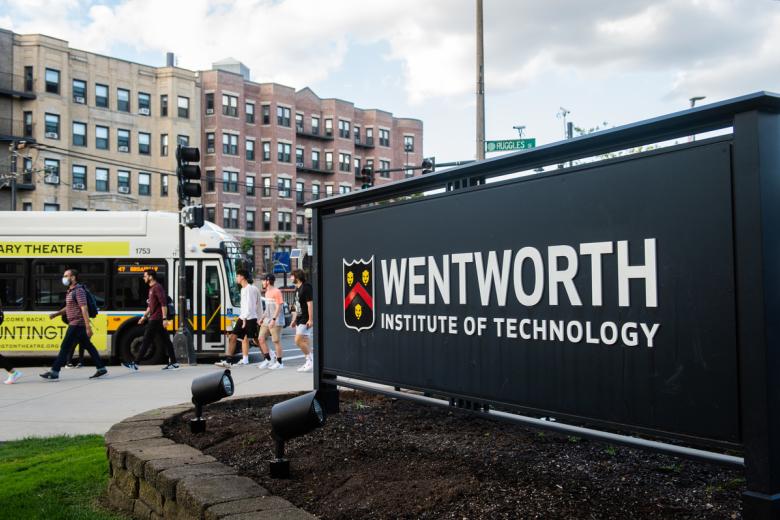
pixel 130 345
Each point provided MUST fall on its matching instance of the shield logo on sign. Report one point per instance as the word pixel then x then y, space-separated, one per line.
pixel 358 281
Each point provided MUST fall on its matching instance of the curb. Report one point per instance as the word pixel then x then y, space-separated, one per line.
pixel 151 477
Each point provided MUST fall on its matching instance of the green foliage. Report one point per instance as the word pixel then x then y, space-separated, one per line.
pixel 246 245
pixel 56 478
pixel 611 451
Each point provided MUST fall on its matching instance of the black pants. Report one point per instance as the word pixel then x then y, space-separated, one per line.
pixel 81 354
pixel 155 330
pixel 5 364
pixel 76 335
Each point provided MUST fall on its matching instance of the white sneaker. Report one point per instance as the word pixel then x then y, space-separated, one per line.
pixel 276 366
pixel 240 362
pixel 224 363
pixel 308 366
pixel 265 364
pixel 13 377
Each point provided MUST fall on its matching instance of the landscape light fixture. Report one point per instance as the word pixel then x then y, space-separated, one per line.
pixel 206 390
pixel 289 419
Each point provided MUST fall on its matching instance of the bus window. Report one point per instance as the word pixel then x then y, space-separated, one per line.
pixel 213 304
pixel 49 292
pixel 130 291
pixel 12 278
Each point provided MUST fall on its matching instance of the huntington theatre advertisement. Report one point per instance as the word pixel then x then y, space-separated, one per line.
pixel 605 292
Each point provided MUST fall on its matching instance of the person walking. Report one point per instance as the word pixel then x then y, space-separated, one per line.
pixel 246 325
pixel 13 374
pixel 272 323
pixel 79 328
pixel 157 315
pixel 302 322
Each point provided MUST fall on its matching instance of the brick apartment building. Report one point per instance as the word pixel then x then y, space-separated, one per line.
pixel 268 149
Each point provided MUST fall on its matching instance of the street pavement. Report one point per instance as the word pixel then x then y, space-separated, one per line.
pixel 77 405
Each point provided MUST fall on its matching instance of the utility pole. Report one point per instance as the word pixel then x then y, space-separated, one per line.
pixel 480 86
pixel 693 101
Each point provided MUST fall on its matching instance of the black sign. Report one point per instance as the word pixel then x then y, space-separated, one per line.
pixel 604 293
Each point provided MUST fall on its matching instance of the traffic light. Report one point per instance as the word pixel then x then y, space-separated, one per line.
pixel 187 172
pixel 193 216
pixel 428 165
pixel 367 176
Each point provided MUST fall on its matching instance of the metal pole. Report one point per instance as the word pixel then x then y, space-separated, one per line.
pixel 13 192
pixel 480 86
pixel 183 340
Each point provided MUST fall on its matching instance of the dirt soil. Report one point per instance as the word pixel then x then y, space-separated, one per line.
pixel 386 458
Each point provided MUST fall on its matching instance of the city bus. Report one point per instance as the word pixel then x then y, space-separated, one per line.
pixel 111 250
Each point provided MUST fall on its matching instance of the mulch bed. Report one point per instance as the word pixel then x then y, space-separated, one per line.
pixel 386 458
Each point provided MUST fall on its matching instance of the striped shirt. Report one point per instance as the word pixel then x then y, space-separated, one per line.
pixel 75 298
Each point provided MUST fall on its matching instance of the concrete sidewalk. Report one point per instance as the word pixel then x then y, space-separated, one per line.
pixel 76 404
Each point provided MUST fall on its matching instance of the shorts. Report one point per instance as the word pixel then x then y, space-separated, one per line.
pixel 303 330
pixel 274 331
pixel 250 329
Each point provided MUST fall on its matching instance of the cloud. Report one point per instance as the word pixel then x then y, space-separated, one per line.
pixel 723 45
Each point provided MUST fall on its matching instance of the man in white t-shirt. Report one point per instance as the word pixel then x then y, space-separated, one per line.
pixel 246 325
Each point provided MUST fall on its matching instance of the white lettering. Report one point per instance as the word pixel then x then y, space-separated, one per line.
pixel 596 250
pixel 487 277
pixel 394 281
pixel 564 277
pixel 524 298
pixel 415 280
pixel 647 271
pixel 439 279
pixel 462 259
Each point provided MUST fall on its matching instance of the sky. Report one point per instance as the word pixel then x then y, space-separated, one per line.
pixel 608 62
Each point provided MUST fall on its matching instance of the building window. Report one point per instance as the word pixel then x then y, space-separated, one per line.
pixel 409 172
pixel 101 137
pixel 266 110
pixel 345 161
pixel 144 143
pixel 267 227
pixel 384 137
pixel 357 134
pixel 250 150
pixel 284 186
pixel 101 179
pixel 184 107
pixel 343 129
pixel 28 79
pixel 230 218
pixel 164 145
pixel 345 189
pixel 51 207
pixel 329 127
pixel 299 192
pixel 370 164
pixel 123 181
pixel 144 104
pixel 183 140
pixel 408 143
pixel 266 151
pixel 283 152
pixel 250 220
pixel 210 142
pixel 299 157
pixel 122 100
pixel 209 103
pixel 357 165
pixel 79 177
pixel 266 186
pixel 284 220
pixel 144 184
pixel 52 81
pixel 282 116
pixel 28 124
pixel 79 134
pixel 249 109
pixel 315 125
pixel 123 140
pixel 26 206
pixel 315 160
pixel 250 186
pixel 383 167
pixel 229 105
pixel 299 123
pixel 299 224
pixel 211 214
pixel 315 192
pixel 369 137
pixel 101 96
pixel 329 161
pixel 52 126
pixel 211 181
pixel 230 182
pixel 329 190
pixel 51 167
pixel 229 144
pixel 164 105
pixel 79 91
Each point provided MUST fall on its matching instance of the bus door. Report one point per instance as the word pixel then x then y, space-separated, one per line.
pixel 190 294
pixel 212 306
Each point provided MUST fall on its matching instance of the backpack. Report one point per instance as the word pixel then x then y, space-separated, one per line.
pixel 92 308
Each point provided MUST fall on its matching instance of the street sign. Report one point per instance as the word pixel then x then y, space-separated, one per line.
pixel 507 145
pixel 281 262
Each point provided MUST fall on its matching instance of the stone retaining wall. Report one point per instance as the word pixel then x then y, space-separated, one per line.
pixel 152 477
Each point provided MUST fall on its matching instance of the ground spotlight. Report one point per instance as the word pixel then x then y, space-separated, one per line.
pixel 206 390
pixel 289 419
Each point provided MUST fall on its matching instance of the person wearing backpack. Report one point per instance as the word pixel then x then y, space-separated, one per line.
pixel 79 306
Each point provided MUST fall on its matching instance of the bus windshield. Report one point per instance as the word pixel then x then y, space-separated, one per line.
pixel 235 259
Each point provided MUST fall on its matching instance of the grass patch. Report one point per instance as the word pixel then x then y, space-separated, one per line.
pixel 54 478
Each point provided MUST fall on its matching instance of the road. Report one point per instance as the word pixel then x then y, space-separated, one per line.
pixel 76 404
